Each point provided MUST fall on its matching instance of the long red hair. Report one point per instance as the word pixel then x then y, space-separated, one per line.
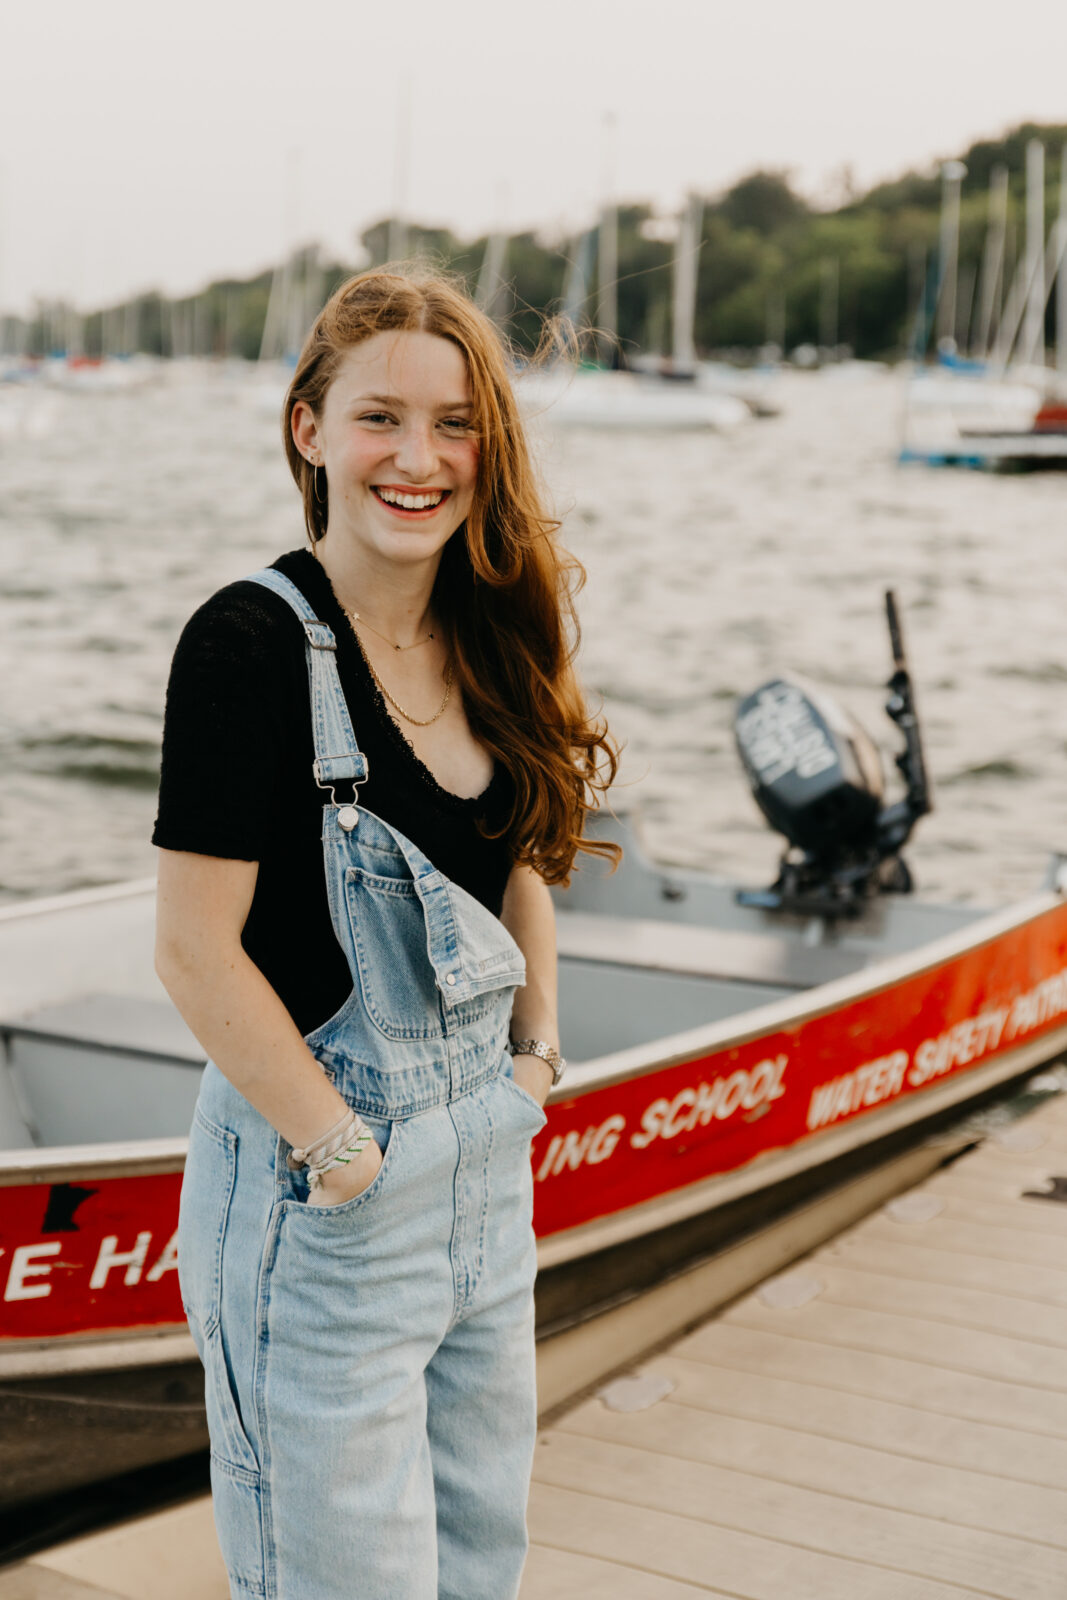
pixel 505 588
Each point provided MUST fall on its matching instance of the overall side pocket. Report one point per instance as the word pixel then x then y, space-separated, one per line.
pixel 532 1108
pixel 387 1137
pixel 203 1224
pixel 204 1211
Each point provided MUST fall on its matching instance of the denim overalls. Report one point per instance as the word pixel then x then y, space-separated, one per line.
pixel 369 1366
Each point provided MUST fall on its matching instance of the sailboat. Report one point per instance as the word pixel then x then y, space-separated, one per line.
pixel 1001 407
pixel 295 299
pixel 607 397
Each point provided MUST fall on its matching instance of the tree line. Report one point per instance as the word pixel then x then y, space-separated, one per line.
pixel 772 270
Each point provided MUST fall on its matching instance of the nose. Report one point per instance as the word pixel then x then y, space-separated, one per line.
pixel 416 451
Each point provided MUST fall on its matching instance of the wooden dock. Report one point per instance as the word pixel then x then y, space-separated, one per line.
pixel 886 1420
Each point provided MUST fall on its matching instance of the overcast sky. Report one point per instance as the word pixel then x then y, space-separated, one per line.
pixel 146 145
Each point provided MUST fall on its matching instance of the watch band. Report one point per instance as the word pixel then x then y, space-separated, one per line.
pixel 539 1047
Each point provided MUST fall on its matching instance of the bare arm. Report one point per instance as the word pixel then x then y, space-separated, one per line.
pixel 201 906
pixel 530 918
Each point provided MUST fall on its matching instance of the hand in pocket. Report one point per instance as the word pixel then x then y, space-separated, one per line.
pixel 345 1183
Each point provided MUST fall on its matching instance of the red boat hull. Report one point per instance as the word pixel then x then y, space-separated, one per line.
pixel 92 1254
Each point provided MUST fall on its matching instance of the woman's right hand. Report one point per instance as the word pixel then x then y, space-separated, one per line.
pixel 344 1183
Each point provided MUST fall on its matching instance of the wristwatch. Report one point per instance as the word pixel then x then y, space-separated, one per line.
pixel 538 1047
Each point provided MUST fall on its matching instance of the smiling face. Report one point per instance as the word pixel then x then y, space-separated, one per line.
pixel 396 439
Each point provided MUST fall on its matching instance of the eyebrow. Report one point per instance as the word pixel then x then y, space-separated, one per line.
pixel 394 401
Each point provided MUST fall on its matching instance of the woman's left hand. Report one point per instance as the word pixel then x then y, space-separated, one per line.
pixel 533 1075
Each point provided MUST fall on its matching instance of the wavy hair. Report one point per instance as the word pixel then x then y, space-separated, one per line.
pixel 505 588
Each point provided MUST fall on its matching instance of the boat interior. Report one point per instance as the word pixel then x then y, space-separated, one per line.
pixel 95 1053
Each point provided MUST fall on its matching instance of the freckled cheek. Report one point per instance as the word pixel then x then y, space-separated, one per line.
pixel 359 460
pixel 467 464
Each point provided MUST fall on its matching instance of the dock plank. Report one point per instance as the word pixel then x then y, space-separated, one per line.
pixel 832 1525
pixel 168 1555
pixel 887 1377
pixel 917 1339
pixel 1052 1127
pixel 970 1238
pixel 719 1559
pixel 964 1204
pixel 30 1582
pixel 962 1493
pixel 815 1411
pixel 868 1288
pixel 1011 1181
pixel 1000 1200
pixel 988 1161
pixel 921 1261
pixel 563 1574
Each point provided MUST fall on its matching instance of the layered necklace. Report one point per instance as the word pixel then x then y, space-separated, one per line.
pixel 417 722
pixel 354 618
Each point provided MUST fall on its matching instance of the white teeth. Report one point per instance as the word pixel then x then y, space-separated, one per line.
pixel 410 502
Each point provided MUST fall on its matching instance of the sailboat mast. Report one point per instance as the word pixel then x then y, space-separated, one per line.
pixel 685 284
pixel 992 258
pixel 1032 347
pixel 489 278
pixel 607 313
pixel 829 303
pixel 952 176
pixel 607 274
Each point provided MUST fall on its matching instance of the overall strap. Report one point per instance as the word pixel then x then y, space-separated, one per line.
pixel 337 755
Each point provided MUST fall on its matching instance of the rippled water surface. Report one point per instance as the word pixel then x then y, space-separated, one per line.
pixel 713 563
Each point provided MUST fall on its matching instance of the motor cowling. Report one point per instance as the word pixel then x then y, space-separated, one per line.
pixel 815 773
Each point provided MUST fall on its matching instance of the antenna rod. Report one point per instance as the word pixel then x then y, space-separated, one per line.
pixel 901 708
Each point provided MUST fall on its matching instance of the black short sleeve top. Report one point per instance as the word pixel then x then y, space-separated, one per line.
pixel 236 779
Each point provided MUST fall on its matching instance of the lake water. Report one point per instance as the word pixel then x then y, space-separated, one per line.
pixel 714 563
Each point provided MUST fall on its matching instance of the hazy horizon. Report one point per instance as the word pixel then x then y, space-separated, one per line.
pixel 143 152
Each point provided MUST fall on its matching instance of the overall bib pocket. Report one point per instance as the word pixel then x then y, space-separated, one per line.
pixel 415 955
pixel 395 976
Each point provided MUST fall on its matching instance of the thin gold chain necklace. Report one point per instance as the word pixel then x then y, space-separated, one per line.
pixel 354 616
pixel 418 722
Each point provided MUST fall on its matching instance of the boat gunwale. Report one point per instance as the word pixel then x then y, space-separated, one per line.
pixel 107 1350
pixel 77 899
pixel 125 1158
pixel 807 1005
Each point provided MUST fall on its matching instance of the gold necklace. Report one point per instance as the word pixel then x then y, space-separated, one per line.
pixel 354 616
pixel 418 722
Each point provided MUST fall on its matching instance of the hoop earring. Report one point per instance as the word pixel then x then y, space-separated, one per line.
pixel 315 483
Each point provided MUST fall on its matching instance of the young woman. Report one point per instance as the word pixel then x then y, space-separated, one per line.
pixel 376 759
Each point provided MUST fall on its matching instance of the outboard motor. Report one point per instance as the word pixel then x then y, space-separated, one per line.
pixel 817 778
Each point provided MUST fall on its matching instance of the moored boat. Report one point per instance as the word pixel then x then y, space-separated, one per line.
pixel 733 1057
pixel 626 401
